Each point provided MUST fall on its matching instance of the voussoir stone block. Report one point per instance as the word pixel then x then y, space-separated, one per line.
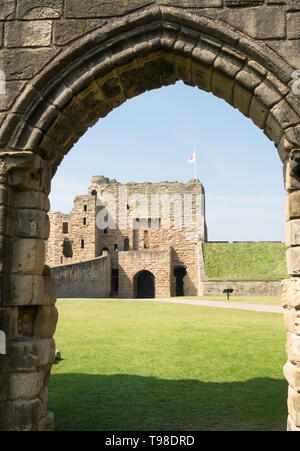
pixel 225 70
pixel 284 114
pixel 273 129
pixel 242 98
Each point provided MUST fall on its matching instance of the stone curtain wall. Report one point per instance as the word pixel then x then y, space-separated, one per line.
pixel 69 63
pixel 89 279
pixel 242 287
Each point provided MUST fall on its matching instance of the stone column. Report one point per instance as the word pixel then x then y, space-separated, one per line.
pixel 27 313
pixel 291 288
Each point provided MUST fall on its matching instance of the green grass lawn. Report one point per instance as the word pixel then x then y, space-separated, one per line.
pixel 136 365
pixel 244 261
pixel 267 300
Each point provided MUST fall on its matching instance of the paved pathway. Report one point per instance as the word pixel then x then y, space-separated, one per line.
pixel 223 304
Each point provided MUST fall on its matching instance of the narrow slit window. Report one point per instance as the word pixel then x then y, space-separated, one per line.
pixel 146 239
pixel 65 227
pixel 84 221
pixel 82 244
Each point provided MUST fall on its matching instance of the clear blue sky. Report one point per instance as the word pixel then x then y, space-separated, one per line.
pixel 152 136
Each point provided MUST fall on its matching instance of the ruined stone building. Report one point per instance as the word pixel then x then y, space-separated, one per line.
pixel 65 65
pixel 142 237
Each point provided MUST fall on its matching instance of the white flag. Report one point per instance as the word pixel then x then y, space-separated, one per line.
pixel 193 158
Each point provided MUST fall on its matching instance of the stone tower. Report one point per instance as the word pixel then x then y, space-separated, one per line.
pixel 154 227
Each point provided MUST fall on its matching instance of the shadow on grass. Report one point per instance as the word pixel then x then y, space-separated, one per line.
pixel 127 402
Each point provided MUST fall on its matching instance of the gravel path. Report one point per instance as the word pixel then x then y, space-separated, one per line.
pixel 221 304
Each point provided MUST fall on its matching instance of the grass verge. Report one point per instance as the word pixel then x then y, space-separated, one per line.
pixel 152 366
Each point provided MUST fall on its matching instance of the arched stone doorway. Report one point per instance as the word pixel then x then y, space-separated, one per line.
pixel 61 87
pixel 179 273
pixel 144 285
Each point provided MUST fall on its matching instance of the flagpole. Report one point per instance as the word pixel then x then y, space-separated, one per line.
pixel 193 160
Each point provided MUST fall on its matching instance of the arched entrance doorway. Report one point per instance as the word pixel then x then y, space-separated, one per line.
pixel 68 86
pixel 144 283
pixel 179 273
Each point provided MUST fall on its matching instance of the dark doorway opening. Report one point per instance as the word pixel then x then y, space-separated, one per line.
pixel 114 282
pixel 67 249
pixel 126 244
pixel 179 274
pixel 145 285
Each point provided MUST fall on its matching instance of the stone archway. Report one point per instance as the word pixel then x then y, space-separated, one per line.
pixel 179 273
pixel 144 285
pixel 61 78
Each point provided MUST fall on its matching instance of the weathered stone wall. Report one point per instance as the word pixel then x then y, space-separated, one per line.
pixel 68 63
pixel 182 237
pixel 89 279
pixel 242 287
pixel 80 235
pixel 43 37
pixel 154 261
pixel 27 315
